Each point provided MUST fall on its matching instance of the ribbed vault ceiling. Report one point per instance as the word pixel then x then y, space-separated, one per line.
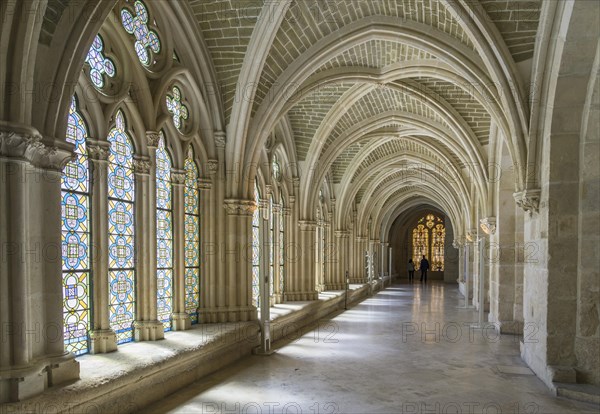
pixel 348 125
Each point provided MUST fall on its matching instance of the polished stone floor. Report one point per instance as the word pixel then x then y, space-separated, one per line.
pixel 408 349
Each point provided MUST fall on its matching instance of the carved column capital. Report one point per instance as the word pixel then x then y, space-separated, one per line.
pixel 28 145
pixel 276 208
pixel 98 150
pixel 240 207
pixel 220 139
pixel 177 177
pixel 528 200
pixel 307 225
pixel 212 166
pixel 488 225
pixel 287 211
pixel 341 234
pixel 141 165
pixel 152 139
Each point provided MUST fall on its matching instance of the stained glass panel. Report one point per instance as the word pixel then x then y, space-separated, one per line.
pixel 176 108
pixel 192 237
pixel 99 64
pixel 437 248
pixel 147 42
pixel 420 243
pixel 76 238
pixel 121 231
pixel 428 240
pixel 164 235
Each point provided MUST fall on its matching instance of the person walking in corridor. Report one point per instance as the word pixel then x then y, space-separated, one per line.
pixel 411 271
pixel 424 267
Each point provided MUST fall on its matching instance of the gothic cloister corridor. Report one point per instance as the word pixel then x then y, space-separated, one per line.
pixel 188 185
pixel 407 349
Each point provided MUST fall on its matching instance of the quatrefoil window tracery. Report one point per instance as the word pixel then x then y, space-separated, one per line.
pixel 147 41
pixel 177 108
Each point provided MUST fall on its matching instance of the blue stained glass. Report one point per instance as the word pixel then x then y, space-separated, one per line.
pixel 75 238
pixel 121 230
pixel 164 234
pixel 177 108
pixel 192 237
pixel 99 64
pixel 147 40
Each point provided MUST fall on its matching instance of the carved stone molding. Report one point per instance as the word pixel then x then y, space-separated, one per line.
pixel 287 211
pixel 528 200
pixel 212 166
pixel 458 243
pixel 204 184
pixel 178 177
pixel 141 166
pixel 220 139
pixel 488 225
pixel 152 139
pixel 97 152
pixel 306 225
pixel 276 208
pixel 291 199
pixel 240 207
pixel 31 148
pixel 341 234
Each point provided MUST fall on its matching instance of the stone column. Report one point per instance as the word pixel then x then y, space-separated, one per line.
pixel 102 337
pixel 338 279
pixel 238 262
pixel 361 250
pixel 179 317
pixel 212 288
pixel 287 263
pixel 305 289
pixel 277 291
pixel 147 327
pixel 32 355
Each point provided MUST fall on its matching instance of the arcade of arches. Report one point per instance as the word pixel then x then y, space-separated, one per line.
pixel 168 167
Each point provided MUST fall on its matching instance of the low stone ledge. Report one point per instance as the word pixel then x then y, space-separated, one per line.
pixel 140 373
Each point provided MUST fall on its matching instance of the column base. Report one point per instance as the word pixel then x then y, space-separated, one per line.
pixel 278 298
pixel 148 331
pixel 103 341
pixel 223 315
pixel 335 286
pixel 181 321
pixel 358 281
pixel 22 383
pixel 301 296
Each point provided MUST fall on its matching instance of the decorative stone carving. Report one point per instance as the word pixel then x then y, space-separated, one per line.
pixel 212 166
pixel 97 152
pixel 220 139
pixel 141 166
pixel 276 208
pixel 306 225
pixel 488 225
pixel 240 207
pixel 287 211
pixel 152 138
pixel 341 234
pixel 31 148
pixel 178 177
pixel 528 200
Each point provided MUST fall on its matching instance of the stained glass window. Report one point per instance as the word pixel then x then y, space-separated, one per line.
pixel 192 238
pixel 100 65
pixel 428 240
pixel 147 42
pixel 76 238
pixel 164 235
pixel 437 248
pixel 177 108
pixel 282 248
pixel 420 243
pixel 121 231
pixel 256 250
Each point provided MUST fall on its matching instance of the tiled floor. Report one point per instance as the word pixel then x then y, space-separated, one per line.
pixel 408 349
